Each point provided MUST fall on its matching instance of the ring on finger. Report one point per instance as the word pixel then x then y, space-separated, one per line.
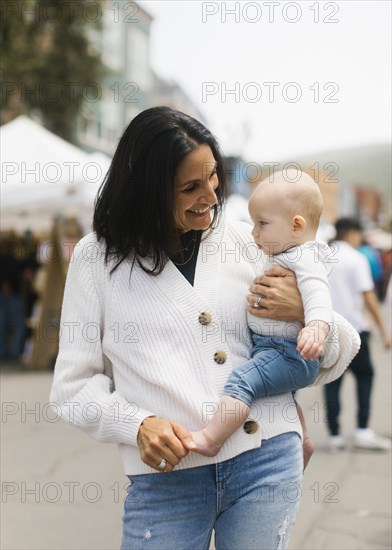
pixel 162 464
pixel 257 303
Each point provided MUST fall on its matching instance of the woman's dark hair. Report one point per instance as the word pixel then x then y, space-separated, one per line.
pixel 134 211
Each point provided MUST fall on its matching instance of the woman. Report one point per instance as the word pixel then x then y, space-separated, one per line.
pixel 155 298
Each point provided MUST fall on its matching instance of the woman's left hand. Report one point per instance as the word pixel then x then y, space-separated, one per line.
pixel 307 445
pixel 275 295
pixel 308 450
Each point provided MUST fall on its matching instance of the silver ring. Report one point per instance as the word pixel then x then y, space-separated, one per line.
pixel 257 303
pixel 162 464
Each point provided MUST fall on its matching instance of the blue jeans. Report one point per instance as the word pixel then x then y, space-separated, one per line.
pixel 250 501
pixel 276 367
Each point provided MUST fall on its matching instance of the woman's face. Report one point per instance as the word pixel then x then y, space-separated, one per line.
pixel 195 183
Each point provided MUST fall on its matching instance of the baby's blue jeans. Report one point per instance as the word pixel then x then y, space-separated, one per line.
pixel 250 501
pixel 276 367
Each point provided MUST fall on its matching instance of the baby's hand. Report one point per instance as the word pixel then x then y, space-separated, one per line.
pixel 311 339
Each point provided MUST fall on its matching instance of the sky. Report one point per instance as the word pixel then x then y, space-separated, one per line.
pixel 305 76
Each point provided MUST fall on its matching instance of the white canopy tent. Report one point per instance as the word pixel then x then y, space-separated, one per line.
pixel 43 176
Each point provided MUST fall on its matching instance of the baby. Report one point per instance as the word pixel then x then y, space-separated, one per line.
pixel 285 356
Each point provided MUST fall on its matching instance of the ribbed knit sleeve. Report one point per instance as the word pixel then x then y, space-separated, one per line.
pixel 312 279
pixel 83 389
pixel 342 345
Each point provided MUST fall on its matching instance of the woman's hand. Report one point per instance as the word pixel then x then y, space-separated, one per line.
pixel 307 445
pixel 159 439
pixel 277 296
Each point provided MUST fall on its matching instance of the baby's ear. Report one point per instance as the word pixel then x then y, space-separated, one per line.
pixel 298 224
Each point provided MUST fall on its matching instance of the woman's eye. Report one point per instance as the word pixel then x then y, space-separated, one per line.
pixel 195 185
pixel 262 223
pixel 190 189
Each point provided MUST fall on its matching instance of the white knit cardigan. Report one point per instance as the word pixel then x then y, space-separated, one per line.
pixel 133 346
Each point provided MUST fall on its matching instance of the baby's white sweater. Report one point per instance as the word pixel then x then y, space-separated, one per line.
pixel 132 347
pixel 311 263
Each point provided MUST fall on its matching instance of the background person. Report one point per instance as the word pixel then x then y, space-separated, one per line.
pixel 352 290
pixel 373 256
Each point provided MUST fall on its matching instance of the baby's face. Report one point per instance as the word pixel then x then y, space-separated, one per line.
pixel 272 230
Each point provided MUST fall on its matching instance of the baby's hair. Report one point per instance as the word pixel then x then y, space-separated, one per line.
pixel 299 194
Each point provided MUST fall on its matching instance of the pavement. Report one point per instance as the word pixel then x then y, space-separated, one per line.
pixel 62 490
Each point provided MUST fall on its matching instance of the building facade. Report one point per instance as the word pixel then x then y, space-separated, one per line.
pixel 124 45
pixel 130 84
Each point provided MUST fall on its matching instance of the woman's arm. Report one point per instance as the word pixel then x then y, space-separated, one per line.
pixel 281 299
pixel 340 348
pixel 83 391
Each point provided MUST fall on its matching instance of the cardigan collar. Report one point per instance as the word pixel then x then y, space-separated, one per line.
pixel 204 293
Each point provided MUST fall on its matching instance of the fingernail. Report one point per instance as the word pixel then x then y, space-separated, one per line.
pixel 190 444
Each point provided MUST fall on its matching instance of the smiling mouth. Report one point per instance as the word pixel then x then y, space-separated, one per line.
pixel 200 211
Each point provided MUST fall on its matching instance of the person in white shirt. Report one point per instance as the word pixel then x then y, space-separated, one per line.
pixel 352 290
pixel 154 319
pixel 285 211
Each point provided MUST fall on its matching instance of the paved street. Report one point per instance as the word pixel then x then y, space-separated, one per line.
pixel 62 490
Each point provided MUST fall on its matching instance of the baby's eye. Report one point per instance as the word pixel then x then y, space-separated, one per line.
pixel 262 222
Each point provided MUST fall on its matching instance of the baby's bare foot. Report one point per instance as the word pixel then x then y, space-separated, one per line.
pixel 204 445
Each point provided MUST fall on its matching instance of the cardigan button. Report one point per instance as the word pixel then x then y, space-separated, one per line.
pixel 220 357
pixel 205 318
pixel 251 427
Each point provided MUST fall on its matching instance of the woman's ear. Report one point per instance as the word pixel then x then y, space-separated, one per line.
pixel 298 224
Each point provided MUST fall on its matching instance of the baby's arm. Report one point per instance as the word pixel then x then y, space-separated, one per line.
pixel 308 264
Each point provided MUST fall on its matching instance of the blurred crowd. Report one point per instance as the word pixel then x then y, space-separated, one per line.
pixel 24 283
pixel 18 295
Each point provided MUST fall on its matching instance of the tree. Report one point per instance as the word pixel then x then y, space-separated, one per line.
pixel 49 64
